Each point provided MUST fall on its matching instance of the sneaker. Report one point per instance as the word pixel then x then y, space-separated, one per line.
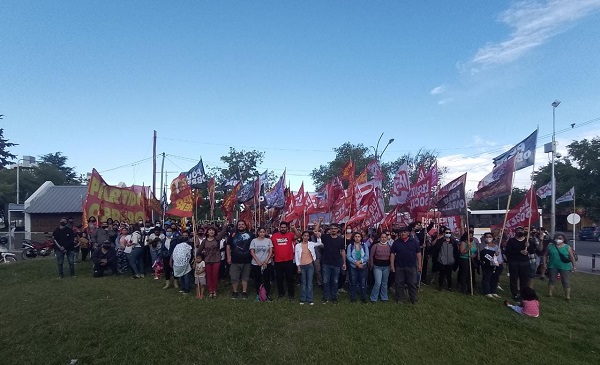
pixel 489 296
pixel 496 296
pixel 301 303
pixel 156 278
pixel 311 303
pixel 269 299
pixel 500 288
pixel 234 295
pixel 342 290
pixel 181 291
pixel 257 299
pixel 244 295
pixel 325 301
pixel 335 302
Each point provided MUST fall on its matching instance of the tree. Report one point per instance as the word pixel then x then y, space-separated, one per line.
pixel 241 165
pixel 66 175
pixel 499 204
pixel 5 156
pixel 579 169
pixel 361 156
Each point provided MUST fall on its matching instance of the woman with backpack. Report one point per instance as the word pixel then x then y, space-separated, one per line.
pixel 357 255
pixel 559 259
pixel 379 262
pixel 261 249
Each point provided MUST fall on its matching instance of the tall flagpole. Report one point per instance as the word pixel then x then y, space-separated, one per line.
pixel 508 204
pixel 574 217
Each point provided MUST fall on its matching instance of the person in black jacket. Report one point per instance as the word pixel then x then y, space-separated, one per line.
pixel 518 261
pixel 104 258
pixel 491 265
pixel 425 243
pixel 64 245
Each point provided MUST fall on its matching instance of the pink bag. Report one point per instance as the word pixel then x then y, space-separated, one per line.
pixel 262 293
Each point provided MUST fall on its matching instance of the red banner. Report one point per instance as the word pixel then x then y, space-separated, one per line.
pixel 105 201
pixel 340 210
pixel 400 186
pixel 229 201
pixel 524 212
pixel 420 193
pixel 347 172
pixel 181 198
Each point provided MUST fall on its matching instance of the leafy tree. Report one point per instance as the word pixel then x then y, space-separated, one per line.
pixel 66 175
pixel 581 169
pixel 499 204
pixel 5 156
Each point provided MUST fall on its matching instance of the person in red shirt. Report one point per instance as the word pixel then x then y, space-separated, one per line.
pixel 283 255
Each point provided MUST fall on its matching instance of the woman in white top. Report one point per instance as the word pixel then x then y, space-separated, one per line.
pixel 304 257
pixel 135 251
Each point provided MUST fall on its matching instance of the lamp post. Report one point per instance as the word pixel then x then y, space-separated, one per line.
pixel 555 104
pixel 27 162
pixel 376 149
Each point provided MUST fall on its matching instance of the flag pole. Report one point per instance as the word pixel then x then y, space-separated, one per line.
pixel 468 243
pixel 507 204
pixel 574 217
pixel 531 186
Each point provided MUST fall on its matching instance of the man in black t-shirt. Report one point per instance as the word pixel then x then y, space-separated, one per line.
pixel 333 260
pixel 518 261
pixel 239 258
pixel 64 244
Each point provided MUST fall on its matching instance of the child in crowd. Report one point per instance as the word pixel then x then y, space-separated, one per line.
pixel 200 276
pixel 84 244
pixel 530 305
pixel 158 267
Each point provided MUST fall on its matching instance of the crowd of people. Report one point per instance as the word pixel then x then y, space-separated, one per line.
pixel 379 259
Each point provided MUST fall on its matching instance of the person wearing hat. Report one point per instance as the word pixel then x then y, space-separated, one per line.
pixel 405 260
pixel 518 261
pixel 333 260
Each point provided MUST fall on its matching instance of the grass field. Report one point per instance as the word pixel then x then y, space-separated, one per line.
pixel 117 320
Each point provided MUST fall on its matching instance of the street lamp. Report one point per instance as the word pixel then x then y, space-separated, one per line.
pixel 27 162
pixel 555 104
pixel 377 157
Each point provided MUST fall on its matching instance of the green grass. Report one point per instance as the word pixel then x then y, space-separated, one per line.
pixel 117 320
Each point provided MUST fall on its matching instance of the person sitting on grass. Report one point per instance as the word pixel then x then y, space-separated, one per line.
pixel 104 258
pixel 530 305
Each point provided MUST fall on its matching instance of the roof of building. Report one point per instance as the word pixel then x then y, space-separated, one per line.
pixel 59 199
pixel 16 207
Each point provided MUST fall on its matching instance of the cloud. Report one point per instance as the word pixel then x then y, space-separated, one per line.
pixel 533 23
pixel 445 101
pixel 438 90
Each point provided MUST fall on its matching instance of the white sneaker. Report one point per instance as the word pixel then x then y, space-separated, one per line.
pixel 500 288
pixel 496 296
pixel 489 296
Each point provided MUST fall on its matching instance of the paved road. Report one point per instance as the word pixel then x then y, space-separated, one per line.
pixel 586 248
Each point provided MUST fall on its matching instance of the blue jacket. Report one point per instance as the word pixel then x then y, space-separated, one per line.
pixel 351 255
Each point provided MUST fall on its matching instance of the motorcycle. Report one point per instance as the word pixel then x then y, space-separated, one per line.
pixel 5 256
pixel 32 249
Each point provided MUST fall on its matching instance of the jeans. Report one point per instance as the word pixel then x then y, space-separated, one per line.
pixel 406 276
pixel 306 284
pixel 186 282
pixel 154 254
pixel 136 260
pixel 60 258
pixel 380 287
pixel 318 272
pixel 490 278
pixel 330 281
pixel 358 279
pixel 285 271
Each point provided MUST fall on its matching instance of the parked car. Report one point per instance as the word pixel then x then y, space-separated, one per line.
pixel 589 233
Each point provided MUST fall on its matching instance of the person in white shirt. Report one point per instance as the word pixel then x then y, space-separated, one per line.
pixel 304 258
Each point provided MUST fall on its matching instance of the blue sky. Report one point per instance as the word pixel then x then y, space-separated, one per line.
pixel 294 79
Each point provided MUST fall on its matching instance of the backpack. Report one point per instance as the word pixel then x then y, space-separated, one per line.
pixel 262 293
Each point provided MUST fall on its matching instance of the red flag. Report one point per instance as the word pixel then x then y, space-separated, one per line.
pixel 400 186
pixel 299 200
pixel 362 178
pixel 375 170
pixel 290 206
pixel 370 212
pixel 391 218
pixel 521 213
pixel 211 195
pixel 181 197
pixel 497 183
pixel 340 210
pixel 347 172
pixel 420 193
pixel 230 199
pixel 246 216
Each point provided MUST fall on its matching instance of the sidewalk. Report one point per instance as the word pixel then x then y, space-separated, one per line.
pixel 584 265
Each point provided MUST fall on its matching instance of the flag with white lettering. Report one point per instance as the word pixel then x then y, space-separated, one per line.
pixel 497 183
pixel 196 176
pixel 544 191
pixel 524 153
pixel 520 215
pixel 400 186
pixel 568 197
pixel 451 197
pixel 375 170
